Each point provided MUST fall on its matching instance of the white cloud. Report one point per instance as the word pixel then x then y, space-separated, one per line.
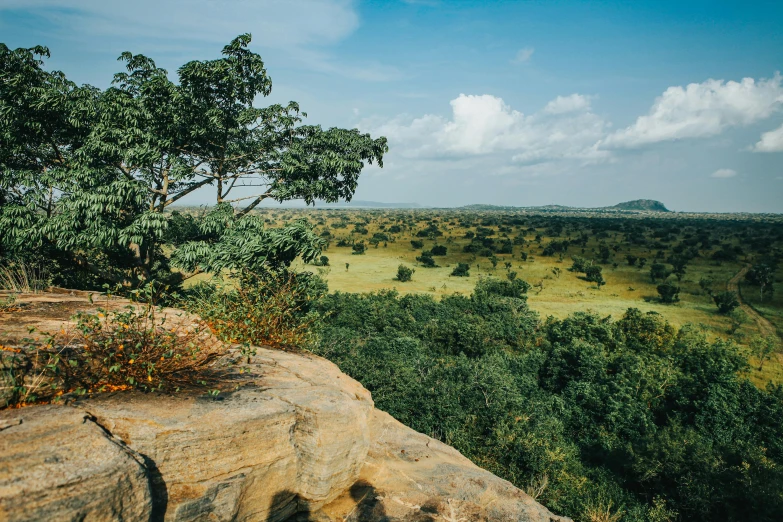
pixel 771 141
pixel 299 28
pixel 700 110
pixel 724 173
pixel 274 23
pixel 563 104
pixel 523 55
pixel 486 125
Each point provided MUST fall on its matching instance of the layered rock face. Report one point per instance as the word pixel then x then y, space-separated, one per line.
pixel 295 440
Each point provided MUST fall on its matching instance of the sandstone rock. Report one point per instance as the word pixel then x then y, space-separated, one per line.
pixel 411 477
pixel 296 439
pixel 292 437
pixel 56 463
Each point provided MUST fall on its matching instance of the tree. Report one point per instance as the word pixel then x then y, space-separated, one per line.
pixel 658 271
pixel 359 248
pixel 632 259
pixel 323 261
pixel 705 283
pixel 96 169
pixel 679 264
pixel 461 270
pixel 594 275
pixel 404 273
pixel 604 253
pixel 763 347
pixel 426 259
pixel 761 275
pixel 417 244
pixel 438 250
pixel 669 293
pixel 726 302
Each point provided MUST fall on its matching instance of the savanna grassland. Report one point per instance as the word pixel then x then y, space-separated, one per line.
pixel 716 247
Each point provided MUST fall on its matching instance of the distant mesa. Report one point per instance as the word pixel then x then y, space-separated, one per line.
pixel 650 205
pixel 637 205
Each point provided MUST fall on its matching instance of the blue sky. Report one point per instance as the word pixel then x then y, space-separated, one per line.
pixel 512 103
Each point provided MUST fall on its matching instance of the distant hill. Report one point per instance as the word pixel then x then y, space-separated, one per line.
pixel 650 205
pixel 637 205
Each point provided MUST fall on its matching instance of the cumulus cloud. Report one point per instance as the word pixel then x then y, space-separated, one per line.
pixel 523 55
pixel 724 173
pixel 771 141
pixel 486 125
pixel 701 110
pixel 563 104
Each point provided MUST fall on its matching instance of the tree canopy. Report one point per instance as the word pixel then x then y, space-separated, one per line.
pixel 88 173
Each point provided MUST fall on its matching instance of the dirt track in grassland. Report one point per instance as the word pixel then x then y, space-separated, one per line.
pixel 766 328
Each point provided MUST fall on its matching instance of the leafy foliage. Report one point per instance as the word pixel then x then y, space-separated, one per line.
pixel 134 348
pixel 404 273
pixel 622 420
pixel 726 302
pixel 269 309
pixel 86 174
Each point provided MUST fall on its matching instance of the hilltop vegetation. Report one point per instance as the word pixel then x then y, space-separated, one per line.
pixel 649 205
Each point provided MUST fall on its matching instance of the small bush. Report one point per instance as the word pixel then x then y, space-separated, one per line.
pixel 404 273
pixel 461 270
pixel 726 302
pixel 669 293
pixel 416 244
pixel 267 309
pixel 359 248
pixel 426 259
pixel 439 250
pixel 132 348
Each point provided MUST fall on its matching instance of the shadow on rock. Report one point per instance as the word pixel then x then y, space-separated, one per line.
pixel 368 507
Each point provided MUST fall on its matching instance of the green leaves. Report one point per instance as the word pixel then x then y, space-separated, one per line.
pixel 90 171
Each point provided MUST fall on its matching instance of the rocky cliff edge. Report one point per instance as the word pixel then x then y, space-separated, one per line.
pixel 296 440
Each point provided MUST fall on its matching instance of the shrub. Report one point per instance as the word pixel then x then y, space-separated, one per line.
pixel 580 264
pixel 416 244
pixel 438 250
pixel 461 270
pixel 323 261
pixel 726 302
pixel 272 309
pixel 132 348
pixel 669 293
pixel 359 248
pixel 658 271
pixel 594 275
pixel 426 259
pixel 404 273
